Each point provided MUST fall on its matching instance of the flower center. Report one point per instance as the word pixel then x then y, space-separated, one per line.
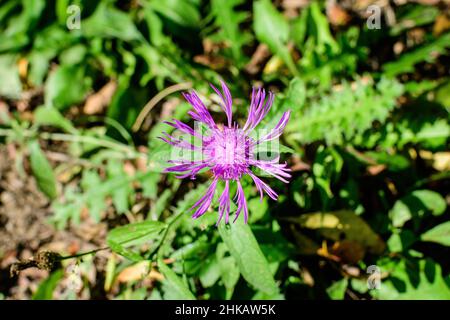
pixel 230 153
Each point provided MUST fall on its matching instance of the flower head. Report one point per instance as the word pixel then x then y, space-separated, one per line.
pixel 228 151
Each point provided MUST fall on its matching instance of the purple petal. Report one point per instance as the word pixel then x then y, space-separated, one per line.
pixel 201 113
pixel 258 109
pixel 241 202
pixel 187 169
pixel 227 101
pixel 224 203
pixel 178 143
pixel 261 185
pixel 205 201
pixel 278 130
pixel 279 171
pixel 177 124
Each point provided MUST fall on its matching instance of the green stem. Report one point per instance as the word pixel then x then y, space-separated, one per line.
pixel 130 152
pixel 158 248
pixel 83 253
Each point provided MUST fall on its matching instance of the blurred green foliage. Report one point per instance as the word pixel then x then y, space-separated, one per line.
pixel 367 142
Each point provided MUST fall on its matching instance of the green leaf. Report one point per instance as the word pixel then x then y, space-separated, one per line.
pixel 245 250
pixel 322 29
pixel 229 20
pixel 401 241
pixel 229 270
pixel 412 279
pixel 150 185
pixel 428 52
pixel 10 85
pixel 92 187
pixel 272 29
pixel 286 149
pixel 334 117
pixel 136 233
pixel 295 96
pixel 257 207
pixel 132 235
pixel 416 205
pixel 109 22
pixel 174 285
pixel 417 16
pixel 120 195
pixel 65 86
pixel 52 117
pixel 210 271
pixel 394 162
pixel 343 223
pixel 42 170
pixel 439 234
pixel 46 287
pixel 182 12
pixel 337 290
pixel 15 35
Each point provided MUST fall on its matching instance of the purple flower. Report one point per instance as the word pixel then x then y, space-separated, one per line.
pixel 228 151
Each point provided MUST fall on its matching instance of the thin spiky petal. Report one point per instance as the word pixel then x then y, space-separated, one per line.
pixel 201 113
pixel 227 101
pixel 205 202
pixel 261 185
pixel 276 132
pixel 224 203
pixel 241 202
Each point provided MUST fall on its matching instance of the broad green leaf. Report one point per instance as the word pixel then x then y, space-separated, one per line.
pixel 133 234
pixel 394 162
pixel 161 203
pixel 229 20
pixel 401 241
pixel 65 86
pixel 412 279
pixel 10 85
pixel 92 186
pixel 286 149
pixel 428 52
pixel 150 185
pixel 46 287
pixel 295 96
pixel 245 250
pixel 229 274
pixel 52 117
pixel 210 271
pixel 337 290
pixel 15 35
pixel 136 233
pixel 175 288
pixel 110 270
pixel 439 234
pixel 257 207
pixel 272 29
pixel 42 170
pixel 120 195
pixel 322 29
pixel 109 22
pixel 182 12
pixel 229 270
pixel 333 225
pixel 417 16
pixel 416 205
